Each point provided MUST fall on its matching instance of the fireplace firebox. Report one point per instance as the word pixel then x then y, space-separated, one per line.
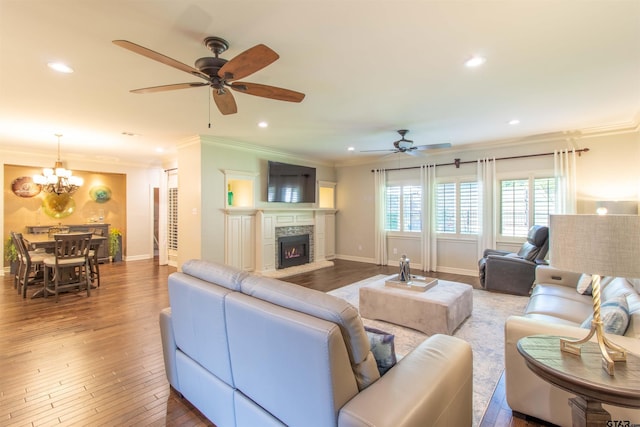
pixel 293 250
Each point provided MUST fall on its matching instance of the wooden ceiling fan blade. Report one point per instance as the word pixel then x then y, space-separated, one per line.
pixel 248 62
pixel 266 91
pixel 151 54
pixel 165 88
pixel 225 101
pixel 433 146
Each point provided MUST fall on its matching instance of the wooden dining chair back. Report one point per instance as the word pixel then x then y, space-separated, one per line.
pixel 70 263
pixel 94 262
pixel 16 239
pixel 30 271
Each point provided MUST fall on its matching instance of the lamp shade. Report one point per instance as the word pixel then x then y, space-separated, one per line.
pixel 606 245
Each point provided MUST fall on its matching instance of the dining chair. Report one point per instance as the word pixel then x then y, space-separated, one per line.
pixel 18 273
pixel 30 271
pixel 70 264
pixel 94 263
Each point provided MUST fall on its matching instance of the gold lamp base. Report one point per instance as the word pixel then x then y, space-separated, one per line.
pixel 610 352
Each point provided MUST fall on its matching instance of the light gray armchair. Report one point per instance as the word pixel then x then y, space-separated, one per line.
pixel 512 272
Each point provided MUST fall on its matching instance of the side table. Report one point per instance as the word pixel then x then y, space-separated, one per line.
pixel 583 376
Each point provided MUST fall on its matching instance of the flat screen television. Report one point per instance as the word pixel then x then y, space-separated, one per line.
pixel 291 183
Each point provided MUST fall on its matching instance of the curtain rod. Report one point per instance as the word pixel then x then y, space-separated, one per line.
pixel 457 162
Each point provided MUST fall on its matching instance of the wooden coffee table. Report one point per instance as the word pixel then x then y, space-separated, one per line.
pixel 584 376
pixel 439 310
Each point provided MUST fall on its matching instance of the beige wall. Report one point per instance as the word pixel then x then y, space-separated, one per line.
pixel 139 179
pixel 609 171
pixel 20 211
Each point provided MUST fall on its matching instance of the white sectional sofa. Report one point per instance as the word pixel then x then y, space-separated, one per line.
pixel 252 351
pixel 556 308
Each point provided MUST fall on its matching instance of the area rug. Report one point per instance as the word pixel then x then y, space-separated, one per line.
pixel 484 330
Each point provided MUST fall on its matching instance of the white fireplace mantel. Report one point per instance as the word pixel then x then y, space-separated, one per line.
pixel 250 234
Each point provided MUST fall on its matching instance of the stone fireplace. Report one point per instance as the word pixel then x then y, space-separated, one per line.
pixel 294 246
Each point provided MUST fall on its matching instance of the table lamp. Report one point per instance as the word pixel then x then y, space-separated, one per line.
pixel 600 245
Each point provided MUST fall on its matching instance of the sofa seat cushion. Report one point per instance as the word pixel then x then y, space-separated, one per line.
pixel 551 318
pixel 559 291
pixel 569 309
pixel 326 307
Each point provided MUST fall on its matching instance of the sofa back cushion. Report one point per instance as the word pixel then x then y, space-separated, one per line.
pixel 537 244
pixel 199 325
pixel 326 307
pixel 220 274
pixel 293 365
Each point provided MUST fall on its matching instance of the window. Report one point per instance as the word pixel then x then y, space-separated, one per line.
pixel 525 202
pixel 404 208
pixel 457 207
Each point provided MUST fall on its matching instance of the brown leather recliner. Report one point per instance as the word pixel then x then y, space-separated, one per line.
pixel 512 272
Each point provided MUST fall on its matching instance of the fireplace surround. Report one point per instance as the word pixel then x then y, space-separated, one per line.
pixel 293 250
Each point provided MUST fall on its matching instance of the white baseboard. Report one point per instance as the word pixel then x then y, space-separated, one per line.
pixel 355 258
pixel 137 257
pixel 461 271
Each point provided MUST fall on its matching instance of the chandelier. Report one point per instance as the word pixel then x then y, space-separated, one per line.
pixel 58 180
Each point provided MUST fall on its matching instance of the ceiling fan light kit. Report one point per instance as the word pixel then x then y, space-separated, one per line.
pixel 220 73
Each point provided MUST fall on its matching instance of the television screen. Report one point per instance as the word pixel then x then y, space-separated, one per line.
pixel 291 183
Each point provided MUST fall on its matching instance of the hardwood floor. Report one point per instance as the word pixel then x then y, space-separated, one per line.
pixel 98 359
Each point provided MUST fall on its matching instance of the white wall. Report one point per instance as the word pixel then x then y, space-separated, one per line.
pixel 202 192
pixel 609 171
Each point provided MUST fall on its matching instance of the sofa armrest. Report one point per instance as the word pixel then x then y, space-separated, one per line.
pixel 432 385
pixel 549 275
pixel 169 347
pixel 488 252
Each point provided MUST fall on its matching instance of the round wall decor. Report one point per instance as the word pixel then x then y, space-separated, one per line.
pixel 25 187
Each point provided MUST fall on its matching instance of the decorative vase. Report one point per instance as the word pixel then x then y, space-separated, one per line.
pixel 405 269
pixel 229 196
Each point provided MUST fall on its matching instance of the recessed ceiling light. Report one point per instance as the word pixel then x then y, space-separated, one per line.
pixel 475 61
pixel 60 67
pixel 263 124
pixel 351 149
pixel 514 122
pixel 159 150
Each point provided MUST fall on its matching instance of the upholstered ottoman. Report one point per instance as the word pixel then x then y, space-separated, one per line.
pixel 441 309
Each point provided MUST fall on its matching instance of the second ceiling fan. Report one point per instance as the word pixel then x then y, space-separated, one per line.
pixel 221 74
pixel 404 145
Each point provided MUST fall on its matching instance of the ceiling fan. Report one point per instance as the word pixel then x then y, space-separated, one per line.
pixel 221 74
pixel 404 145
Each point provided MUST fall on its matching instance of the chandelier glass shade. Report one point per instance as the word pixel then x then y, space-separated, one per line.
pixel 58 180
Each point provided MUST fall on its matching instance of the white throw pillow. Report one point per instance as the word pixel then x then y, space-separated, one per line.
pixel 585 283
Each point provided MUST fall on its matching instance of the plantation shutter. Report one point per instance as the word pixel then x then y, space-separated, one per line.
pixel 515 207
pixel 446 207
pixel 469 215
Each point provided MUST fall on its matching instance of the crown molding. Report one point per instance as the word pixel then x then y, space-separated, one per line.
pixel 569 137
pixel 246 147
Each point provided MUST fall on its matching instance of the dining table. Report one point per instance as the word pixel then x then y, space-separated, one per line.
pixel 43 242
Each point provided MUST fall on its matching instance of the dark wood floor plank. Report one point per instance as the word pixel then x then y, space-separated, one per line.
pixel 98 360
